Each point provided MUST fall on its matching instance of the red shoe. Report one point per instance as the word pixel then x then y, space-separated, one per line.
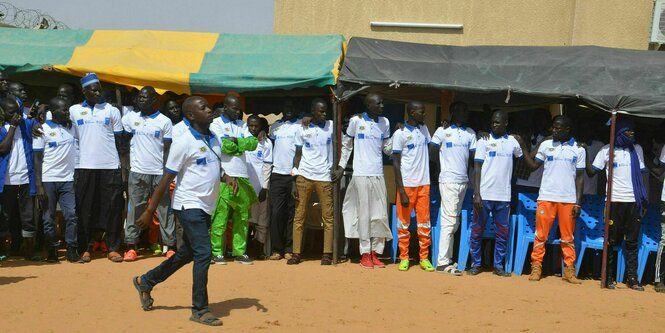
pixel 170 253
pixel 130 255
pixel 376 262
pixel 366 261
pixel 103 247
pixel 95 246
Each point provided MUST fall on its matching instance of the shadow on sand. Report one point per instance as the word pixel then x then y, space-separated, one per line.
pixel 13 279
pixel 223 309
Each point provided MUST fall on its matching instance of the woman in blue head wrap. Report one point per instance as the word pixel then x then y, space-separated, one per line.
pixel 629 197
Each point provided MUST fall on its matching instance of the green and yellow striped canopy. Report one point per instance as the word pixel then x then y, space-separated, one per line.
pixel 181 62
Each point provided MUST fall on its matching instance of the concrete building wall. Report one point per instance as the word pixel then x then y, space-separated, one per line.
pixel 614 23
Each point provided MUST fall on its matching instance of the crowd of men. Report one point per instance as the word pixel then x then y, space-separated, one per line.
pixel 188 172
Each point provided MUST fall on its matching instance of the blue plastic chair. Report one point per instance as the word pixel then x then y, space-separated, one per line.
pixel 466 217
pixel 525 219
pixel 649 237
pixel 591 232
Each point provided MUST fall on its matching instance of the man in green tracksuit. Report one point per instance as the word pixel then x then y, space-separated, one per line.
pixel 236 140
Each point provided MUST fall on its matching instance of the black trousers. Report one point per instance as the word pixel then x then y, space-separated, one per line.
pixel 624 225
pixel 99 205
pixel 17 211
pixel 282 209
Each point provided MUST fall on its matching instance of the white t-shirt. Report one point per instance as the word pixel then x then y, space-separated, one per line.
pixel 622 184
pixel 180 128
pixel 368 136
pixel 454 144
pixel 496 155
pixel 17 166
pixel 536 176
pixel 560 164
pixel 283 133
pixel 316 143
pixel 591 183
pixel 146 149
pixel 96 127
pixel 234 166
pixel 127 110
pixel 57 144
pixel 411 143
pixel 256 159
pixel 198 170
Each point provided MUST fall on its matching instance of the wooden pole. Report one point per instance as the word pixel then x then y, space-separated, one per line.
pixel 337 204
pixel 610 174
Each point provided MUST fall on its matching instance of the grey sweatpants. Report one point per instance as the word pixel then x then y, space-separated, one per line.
pixel 140 188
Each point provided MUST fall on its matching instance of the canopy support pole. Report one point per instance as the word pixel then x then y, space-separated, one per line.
pixel 337 205
pixel 608 200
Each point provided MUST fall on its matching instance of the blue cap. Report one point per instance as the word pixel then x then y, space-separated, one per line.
pixel 89 79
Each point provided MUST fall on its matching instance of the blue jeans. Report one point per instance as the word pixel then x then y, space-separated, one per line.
pixel 501 214
pixel 196 247
pixel 62 192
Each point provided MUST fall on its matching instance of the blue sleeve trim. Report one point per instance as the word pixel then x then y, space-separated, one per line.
pixel 266 162
pixel 298 146
pixel 643 170
pixel 397 151
pixel 170 171
pixel 118 132
pixel 478 160
pixel 435 144
pixel 39 150
pixel 539 160
pixel 581 169
pixel 167 139
pixel 472 149
pixel 594 167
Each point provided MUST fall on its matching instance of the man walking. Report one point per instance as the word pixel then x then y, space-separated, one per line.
pixel 195 160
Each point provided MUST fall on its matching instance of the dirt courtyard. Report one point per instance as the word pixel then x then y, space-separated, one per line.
pixel 270 296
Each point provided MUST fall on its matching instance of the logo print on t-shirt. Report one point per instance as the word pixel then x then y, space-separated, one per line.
pixel 551 149
pixel 492 144
pixel 409 137
pixel 361 127
pixel 448 135
pixel 203 149
pixel 83 113
pixel 52 134
pixel 137 123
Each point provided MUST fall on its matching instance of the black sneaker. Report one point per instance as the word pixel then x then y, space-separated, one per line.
pixel 475 270
pixel 52 256
pixel 218 260
pixel 632 283
pixel 610 283
pixel 73 255
pixel 498 271
pixel 243 259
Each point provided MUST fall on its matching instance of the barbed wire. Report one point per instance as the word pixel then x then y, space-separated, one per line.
pixel 28 18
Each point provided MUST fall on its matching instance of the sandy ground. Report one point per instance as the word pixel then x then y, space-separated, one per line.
pixel 270 296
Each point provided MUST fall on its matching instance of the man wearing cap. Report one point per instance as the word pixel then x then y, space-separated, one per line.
pixel 629 198
pixel 98 177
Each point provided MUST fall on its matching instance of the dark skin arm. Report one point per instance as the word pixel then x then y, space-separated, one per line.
pixel 579 190
pixel 477 200
pixel 657 169
pixel 296 163
pixel 120 140
pixel 397 166
pixel 146 218
pixel 590 171
pixel 167 149
pixel 6 144
pixel 39 161
pixel 529 157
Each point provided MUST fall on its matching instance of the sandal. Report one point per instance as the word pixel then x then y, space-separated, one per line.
pixel 206 319
pixel 146 303
pixel 115 256
pixel 86 256
pixel 295 259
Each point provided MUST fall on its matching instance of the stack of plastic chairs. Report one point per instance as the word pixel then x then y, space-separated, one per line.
pixel 649 237
pixel 591 232
pixel 466 218
pixel 525 219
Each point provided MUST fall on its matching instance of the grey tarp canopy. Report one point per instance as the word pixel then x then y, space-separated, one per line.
pixel 629 81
